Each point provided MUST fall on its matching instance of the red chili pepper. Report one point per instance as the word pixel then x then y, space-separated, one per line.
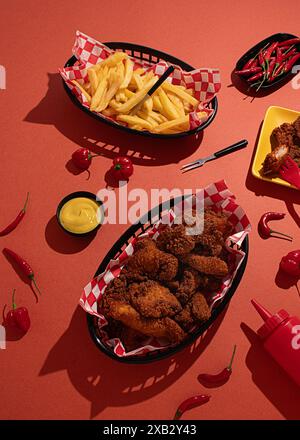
pixel 192 402
pixel 17 317
pixel 16 221
pixel 249 71
pixel 122 168
pixel 255 77
pixel 82 158
pixel 289 42
pixel 270 69
pixel 291 62
pixel 288 54
pixel 24 266
pixel 261 59
pixel 211 380
pixel 265 230
pixel 290 263
pixel 279 55
pixel 270 50
pixel 251 63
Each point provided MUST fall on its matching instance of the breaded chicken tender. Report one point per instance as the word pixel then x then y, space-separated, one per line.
pixel 194 312
pixel 175 240
pixel 208 265
pixel 152 300
pixel 149 261
pixel 159 328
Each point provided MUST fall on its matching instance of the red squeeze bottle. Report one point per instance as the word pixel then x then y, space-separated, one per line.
pixel 281 339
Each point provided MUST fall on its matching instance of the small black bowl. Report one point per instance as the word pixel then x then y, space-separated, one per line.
pixel 255 49
pixel 75 195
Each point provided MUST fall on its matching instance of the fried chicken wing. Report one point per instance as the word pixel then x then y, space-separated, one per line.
pixel 274 160
pixel 151 262
pixel 159 328
pixel 297 127
pixel 187 285
pixel 175 240
pixel 152 300
pixel 194 312
pixel 208 265
pixel 285 140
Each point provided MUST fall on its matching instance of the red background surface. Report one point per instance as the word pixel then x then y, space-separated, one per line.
pixel 56 371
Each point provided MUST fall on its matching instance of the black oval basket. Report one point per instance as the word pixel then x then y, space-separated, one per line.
pixel 135 230
pixel 154 56
pixel 255 49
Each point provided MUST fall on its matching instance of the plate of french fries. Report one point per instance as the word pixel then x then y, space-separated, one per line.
pixel 113 86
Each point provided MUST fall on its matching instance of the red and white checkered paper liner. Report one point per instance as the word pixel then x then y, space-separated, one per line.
pixel 205 82
pixel 217 196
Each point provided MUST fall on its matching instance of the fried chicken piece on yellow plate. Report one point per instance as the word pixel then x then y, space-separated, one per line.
pixel 150 261
pixel 196 311
pixel 158 328
pixel 175 240
pixel 208 265
pixel 153 300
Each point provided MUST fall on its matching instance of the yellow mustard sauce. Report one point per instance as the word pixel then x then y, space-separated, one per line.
pixel 80 215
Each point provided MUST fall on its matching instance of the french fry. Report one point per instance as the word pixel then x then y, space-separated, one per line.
pixel 120 96
pixel 93 80
pixel 157 117
pixel 138 81
pixel 147 76
pixel 148 104
pixel 137 97
pixel 121 70
pixel 128 73
pixel 167 87
pixel 111 61
pixel 114 82
pixel 109 112
pixel 177 102
pixel 169 109
pixel 88 97
pixel 156 103
pixel 128 93
pixel 146 116
pixel 135 120
pixel 140 71
pixel 183 121
pixel 100 92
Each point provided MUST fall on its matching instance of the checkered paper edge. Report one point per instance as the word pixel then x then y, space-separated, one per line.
pixel 217 196
pixel 205 82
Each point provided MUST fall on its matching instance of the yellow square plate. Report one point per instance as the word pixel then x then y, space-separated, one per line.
pixel 274 117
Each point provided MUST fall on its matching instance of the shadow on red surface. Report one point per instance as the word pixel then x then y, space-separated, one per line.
pixel 57 109
pixel 270 378
pixel 61 242
pixel 105 382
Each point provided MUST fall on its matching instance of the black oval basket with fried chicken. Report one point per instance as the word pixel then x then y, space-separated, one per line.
pixel 135 230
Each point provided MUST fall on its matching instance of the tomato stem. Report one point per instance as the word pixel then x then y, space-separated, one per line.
pixel 14 306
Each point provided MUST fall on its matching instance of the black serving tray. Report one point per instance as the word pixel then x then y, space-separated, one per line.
pixel 154 56
pixel 135 230
pixel 255 49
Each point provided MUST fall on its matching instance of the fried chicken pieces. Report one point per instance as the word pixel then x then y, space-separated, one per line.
pixel 285 141
pixel 161 291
